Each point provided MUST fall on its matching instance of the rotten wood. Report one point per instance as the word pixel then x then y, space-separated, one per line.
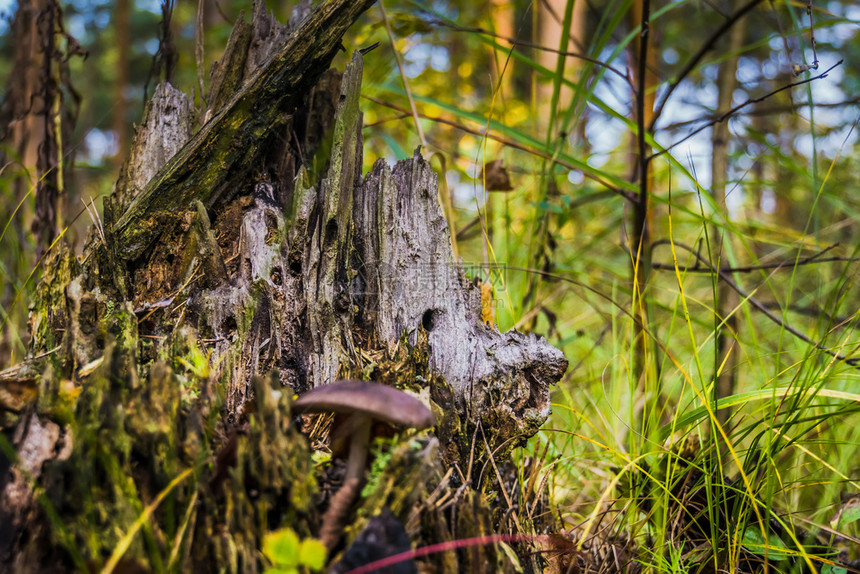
pixel 244 261
pixel 225 148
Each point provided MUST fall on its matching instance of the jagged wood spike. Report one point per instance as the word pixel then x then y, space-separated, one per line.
pixel 235 137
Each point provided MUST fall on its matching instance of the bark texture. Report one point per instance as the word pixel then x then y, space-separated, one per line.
pixel 242 261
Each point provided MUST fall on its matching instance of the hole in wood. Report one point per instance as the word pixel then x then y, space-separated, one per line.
pixel 296 265
pixel 277 276
pixel 428 319
pixel 330 232
pixel 228 326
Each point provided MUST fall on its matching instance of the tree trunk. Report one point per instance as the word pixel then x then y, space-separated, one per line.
pixel 721 240
pixel 239 263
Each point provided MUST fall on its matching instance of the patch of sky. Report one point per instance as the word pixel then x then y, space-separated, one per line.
pixel 609 91
pixel 803 143
pixel 151 46
pixel 101 18
pixel 153 6
pixel 835 75
pixel 7 9
pixel 463 193
pixel 452 178
pixel 670 56
pixel 845 31
pixel 776 43
pixel 768 201
pixel 424 55
pixel 749 70
pixel 846 137
pixel 76 25
pixel 822 117
pixel 735 200
pixel 770 68
pixel 744 162
pixel 575 177
pixel 466 194
pixel 447 9
pixel 439 59
pixel 604 135
pixel 710 72
pixel 688 104
pixel 835 33
pixel 99 145
pixel 695 155
pixel 836 141
pixel 416 59
pixel 598 160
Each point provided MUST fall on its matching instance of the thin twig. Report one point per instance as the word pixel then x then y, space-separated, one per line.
pixel 402 73
pixel 629 196
pixel 735 109
pixel 696 268
pixel 525 44
pixel 640 110
pixel 697 57
pixel 854 362
pixel 759 111
pixel 800 68
pixel 94 216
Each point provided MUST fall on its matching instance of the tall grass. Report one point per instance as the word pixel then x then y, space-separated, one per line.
pixel 640 460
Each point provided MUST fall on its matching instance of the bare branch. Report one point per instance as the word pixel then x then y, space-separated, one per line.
pixel 697 57
pixel 817 258
pixel 758 112
pixel 734 110
pixel 510 143
pixel 524 44
pixel 761 307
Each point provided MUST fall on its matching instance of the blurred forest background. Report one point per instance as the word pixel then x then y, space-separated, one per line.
pixel 678 211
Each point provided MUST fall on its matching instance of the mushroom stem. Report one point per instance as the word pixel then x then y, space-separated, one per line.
pixel 358 447
pixel 365 401
pixel 333 521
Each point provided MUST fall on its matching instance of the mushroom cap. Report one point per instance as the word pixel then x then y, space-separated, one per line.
pixel 374 400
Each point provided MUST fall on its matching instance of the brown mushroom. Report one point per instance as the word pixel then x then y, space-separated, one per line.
pixel 364 402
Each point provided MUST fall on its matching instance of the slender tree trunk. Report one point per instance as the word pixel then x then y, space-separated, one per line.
pixel 727 298
pixel 122 29
pixel 644 69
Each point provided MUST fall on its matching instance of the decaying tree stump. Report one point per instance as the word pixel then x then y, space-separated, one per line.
pixel 240 262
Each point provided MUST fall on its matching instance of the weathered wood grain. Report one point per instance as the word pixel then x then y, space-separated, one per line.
pixel 237 134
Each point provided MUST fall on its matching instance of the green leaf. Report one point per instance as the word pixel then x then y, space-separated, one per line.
pixel 312 554
pixel 281 547
pixel 755 543
pixel 850 515
pixel 830 569
pixel 849 512
pixel 547 206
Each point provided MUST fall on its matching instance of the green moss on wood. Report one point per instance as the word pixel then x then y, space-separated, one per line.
pixel 231 142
